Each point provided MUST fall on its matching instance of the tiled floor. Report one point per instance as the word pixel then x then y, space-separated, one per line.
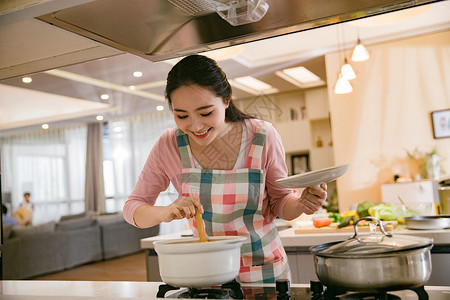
pixel 126 268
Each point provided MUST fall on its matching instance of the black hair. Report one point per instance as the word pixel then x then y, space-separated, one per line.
pixel 205 72
pixel 4 209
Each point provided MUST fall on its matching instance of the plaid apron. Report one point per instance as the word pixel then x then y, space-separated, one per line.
pixel 232 202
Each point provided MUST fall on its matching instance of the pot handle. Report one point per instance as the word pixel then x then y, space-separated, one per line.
pixel 379 223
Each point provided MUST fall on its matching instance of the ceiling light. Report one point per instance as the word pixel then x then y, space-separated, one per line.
pixel 99 118
pixel 347 71
pixel 301 77
pixel 132 87
pixel 45 126
pixel 104 96
pixel 224 53
pixel 137 74
pixel 252 85
pixel 27 79
pixel 360 52
pixel 160 108
pixel 342 86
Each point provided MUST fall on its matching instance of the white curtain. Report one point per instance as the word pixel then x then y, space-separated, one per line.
pixel 127 143
pixel 48 164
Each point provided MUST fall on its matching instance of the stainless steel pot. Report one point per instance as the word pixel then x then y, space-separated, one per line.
pixel 188 263
pixel 428 222
pixel 374 262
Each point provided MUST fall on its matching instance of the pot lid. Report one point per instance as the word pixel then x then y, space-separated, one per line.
pixel 376 244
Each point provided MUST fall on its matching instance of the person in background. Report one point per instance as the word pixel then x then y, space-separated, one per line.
pixel 6 219
pixel 223 163
pixel 24 214
pixel 26 202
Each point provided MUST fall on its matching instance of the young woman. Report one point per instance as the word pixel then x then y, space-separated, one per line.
pixel 225 163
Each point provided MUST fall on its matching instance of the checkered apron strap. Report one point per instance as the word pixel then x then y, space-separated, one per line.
pixel 187 159
pixel 254 156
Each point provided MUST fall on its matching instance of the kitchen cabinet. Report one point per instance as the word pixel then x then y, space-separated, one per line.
pixel 301 263
pixel 295 135
pixel 152 265
pixel 410 192
pixel 316 101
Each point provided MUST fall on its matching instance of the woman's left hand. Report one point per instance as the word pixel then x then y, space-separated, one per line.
pixel 313 198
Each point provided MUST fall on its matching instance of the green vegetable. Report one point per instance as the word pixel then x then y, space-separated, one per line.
pixel 383 212
pixel 336 217
pixel 363 208
pixel 346 221
pixel 388 212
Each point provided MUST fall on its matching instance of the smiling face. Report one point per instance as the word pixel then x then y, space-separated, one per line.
pixel 199 113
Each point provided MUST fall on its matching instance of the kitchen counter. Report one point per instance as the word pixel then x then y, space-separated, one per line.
pixel 301 260
pixel 112 290
pixel 291 239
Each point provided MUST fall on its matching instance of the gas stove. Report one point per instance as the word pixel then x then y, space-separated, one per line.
pixel 283 291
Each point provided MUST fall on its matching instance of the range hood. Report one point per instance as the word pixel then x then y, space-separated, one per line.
pixel 163 29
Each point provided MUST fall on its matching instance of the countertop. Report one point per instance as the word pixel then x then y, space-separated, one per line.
pixel 99 290
pixel 290 239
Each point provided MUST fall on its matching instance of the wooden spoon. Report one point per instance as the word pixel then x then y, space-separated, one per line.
pixel 200 226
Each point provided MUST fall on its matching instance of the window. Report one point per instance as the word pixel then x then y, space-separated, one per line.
pixel 51 166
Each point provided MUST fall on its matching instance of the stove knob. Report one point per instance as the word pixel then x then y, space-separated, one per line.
pixel 316 287
pixel 282 286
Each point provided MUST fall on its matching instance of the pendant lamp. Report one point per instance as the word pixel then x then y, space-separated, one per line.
pixel 360 52
pixel 347 71
pixel 342 86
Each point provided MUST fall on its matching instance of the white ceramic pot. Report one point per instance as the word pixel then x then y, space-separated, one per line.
pixel 185 264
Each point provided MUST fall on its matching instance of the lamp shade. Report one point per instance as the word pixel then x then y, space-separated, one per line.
pixel 360 53
pixel 347 71
pixel 342 86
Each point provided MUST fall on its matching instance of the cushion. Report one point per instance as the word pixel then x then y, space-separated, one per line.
pixel 70 217
pixel 110 219
pixel 7 230
pixel 73 224
pixel 33 230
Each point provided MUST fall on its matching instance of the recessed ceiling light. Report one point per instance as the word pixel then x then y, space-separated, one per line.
pixel 104 96
pixel 160 108
pixel 27 79
pixel 45 126
pixel 252 85
pixel 301 77
pixel 132 87
pixel 99 118
pixel 137 74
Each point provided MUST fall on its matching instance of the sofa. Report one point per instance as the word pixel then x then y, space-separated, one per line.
pixel 74 240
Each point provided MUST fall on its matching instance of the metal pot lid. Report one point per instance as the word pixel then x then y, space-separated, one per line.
pixel 376 244
pixel 371 244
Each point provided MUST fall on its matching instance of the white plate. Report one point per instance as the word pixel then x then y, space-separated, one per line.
pixel 313 178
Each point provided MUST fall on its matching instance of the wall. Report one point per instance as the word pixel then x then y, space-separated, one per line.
pixel 300 117
pixel 388 112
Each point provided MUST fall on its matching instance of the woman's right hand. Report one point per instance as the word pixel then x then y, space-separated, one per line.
pixel 183 207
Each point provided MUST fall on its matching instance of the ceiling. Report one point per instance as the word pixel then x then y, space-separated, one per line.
pixel 70 95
